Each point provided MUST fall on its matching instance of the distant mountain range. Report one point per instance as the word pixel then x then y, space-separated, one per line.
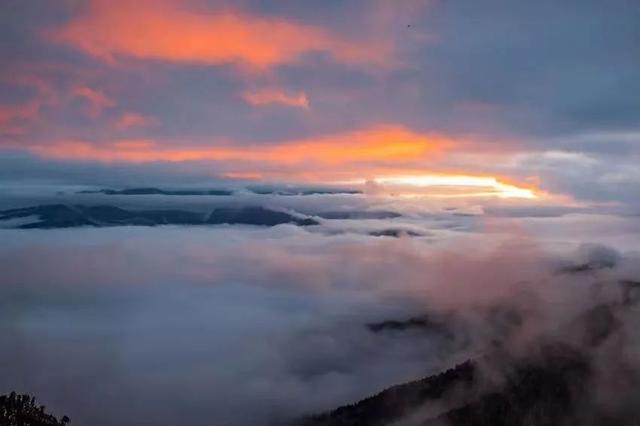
pixel 360 214
pixel 221 192
pixel 302 191
pixel 157 191
pixel 423 323
pixel 395 233
pixel 77 215
pixel 69 216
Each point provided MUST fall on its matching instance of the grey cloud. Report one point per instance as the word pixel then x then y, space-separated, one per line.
pixel 586 176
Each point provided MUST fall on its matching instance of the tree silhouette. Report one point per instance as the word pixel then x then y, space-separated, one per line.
pixel 21 410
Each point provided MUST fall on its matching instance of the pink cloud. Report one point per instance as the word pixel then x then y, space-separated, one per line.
pixel 169 30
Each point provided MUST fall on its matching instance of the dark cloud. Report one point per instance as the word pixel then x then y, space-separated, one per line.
pixel 546 66
pixel 18 166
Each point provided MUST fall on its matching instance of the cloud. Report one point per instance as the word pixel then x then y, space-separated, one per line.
pixel 12 117
pixel 438 87
pixel 169 30
pixel 96 100
pixel 252 326
pixel 222 367
pixel 276 96
pixel 19 111
pixel 586 176
pixel 451 185
pixel 134 119
pixel 337 155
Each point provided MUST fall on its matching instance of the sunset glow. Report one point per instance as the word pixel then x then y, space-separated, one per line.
pixel 165 30
pixel 477 185
pixel 319 213
pixel 337 153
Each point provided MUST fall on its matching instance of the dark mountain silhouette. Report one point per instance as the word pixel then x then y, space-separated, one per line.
pixel 21 410
pixel 359 214
pixel 395 233
pixel 397 401
pixel 424 323
pixel 158 191
pixel 537 391
pixel 598 258
pixel 289 191
pixel 301 191
pixel 68 216
pixel 585 267
pixel 630 292
pixel 546 390
pixel 255 216
pixel 550 383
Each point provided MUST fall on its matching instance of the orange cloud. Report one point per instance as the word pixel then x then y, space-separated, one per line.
pixel 133 119
pixel 273 95
pixel 388 158
pixel 169 30
pixel 337 155
pixel 96 99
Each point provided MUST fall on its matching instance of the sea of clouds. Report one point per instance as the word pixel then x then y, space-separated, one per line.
pixel 241 325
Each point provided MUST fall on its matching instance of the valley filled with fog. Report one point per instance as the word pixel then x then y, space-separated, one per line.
pixel 266 324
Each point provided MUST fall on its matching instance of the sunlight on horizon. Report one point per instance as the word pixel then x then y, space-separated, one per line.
pixel 451 186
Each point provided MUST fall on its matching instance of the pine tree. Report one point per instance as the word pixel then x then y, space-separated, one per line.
pixel 21 410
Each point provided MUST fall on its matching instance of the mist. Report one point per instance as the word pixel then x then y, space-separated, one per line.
pixel 247 325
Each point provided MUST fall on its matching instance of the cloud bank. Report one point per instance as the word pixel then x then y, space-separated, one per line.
pixel 261 326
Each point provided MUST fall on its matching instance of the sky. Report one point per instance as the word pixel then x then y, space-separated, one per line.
pixel 541 95
pixel 462 159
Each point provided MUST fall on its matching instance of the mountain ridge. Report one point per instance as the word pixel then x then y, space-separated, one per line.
pixel 70 216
